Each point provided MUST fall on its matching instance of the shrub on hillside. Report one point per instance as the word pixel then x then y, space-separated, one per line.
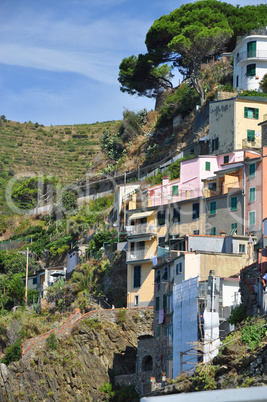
pixel 13 353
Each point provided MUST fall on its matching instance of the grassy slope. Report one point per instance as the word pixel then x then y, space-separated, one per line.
pixel 52 150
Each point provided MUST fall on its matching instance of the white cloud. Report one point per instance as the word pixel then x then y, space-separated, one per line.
pixel 100 67
pixel 94 49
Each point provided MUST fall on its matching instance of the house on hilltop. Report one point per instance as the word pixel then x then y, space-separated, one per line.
pixel 250 60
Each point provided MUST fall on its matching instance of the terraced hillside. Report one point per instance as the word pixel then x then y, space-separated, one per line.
pixel 65 151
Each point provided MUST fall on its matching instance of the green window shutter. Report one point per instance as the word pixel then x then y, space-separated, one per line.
pixel 233 228
pixel 207 165
pixel 252 169
pixel 246 112
pixel 213 231
pixel 252 194
pixel 213 207
pixel 252 216
pixel 256 113
pixel 233 203
pixel 251 70
pixel 251 48
pixel 165 301
pixel 251 135
pixel 157 303
pixel 175 190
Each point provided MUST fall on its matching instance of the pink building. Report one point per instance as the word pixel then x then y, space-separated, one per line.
pixel 192 174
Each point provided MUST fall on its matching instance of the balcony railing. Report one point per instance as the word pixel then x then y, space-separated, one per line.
pixel 253 54
pixel 140 229
pixel 138 255
pixel 251 144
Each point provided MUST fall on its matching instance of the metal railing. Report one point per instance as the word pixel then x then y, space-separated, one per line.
pixel 141 229
pixel 253 54
pixel 138 255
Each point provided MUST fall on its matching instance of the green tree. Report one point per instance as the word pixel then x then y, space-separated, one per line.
pixel 185 38
pixel 15 288
pixel 83 278
pixel 139 76
pixel 13 353
pixel 30 193
pixel 195 43
pixel 69 200
pixel 263 83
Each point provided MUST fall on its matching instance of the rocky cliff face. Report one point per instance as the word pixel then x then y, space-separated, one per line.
pixel 80 361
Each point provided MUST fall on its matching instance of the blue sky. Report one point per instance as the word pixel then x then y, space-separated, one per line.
pixel 59 59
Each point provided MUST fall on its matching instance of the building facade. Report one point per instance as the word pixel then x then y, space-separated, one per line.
pixel 250 60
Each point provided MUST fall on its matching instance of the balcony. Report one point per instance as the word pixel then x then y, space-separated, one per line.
pixel 256 54
pixel 138 255
pixel 251 144
pixel 141 229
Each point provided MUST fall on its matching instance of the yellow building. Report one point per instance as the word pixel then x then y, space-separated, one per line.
pixel 233 124
pixel 149 234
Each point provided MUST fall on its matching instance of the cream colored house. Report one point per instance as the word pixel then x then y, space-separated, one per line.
pixel 233 124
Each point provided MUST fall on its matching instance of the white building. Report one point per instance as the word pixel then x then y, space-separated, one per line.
pixel 250 60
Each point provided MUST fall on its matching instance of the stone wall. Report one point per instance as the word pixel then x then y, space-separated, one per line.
pixel 226 95
pixel 249 286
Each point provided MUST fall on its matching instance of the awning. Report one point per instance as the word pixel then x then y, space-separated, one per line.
pixel 141 215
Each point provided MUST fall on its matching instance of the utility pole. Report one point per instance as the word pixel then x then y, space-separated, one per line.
pixel 26 280
pixel 124 206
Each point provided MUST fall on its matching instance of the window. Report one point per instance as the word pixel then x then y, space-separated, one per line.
pixel 137 276
pixel 251 49
pixel 147 363
pixel 252 194
pixel 252 218
pixel 161 240
pixel 195 210
pixel 161 218
pixel 236 81
pixel 251 70
pixel 34 281
pixel 233 228
pixel 143 221
pixel 251 113
pixel 212 207
pixel 226 159
pixel 251 135
pixel 207 166
pixel 242 248
pixel 169 335
pixel 212 186
pixel 165 275
pixel 213 231
pixel 165 302
pixel 215 144
pixel 157 280
pixel 175 190
pixel 233 203
pixel 132 247
pixel 252 169
pixel 136 300
pixel 176 214
pixel 179 268
pixel 196 232
pixel 157 303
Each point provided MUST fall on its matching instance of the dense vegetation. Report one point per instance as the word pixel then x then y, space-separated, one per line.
pixel 189 35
